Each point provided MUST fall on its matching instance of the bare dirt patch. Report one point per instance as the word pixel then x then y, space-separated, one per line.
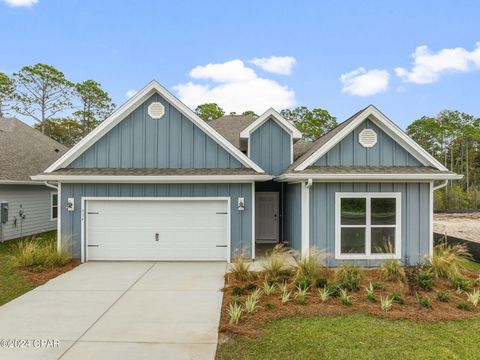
pixel 270 307
pixel 460 225
pixel 37 277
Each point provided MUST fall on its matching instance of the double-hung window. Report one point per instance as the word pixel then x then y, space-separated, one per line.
pixel 367 225
pixel 54 206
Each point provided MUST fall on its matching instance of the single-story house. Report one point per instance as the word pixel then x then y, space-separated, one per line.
pixel 26 207
pixel 156 182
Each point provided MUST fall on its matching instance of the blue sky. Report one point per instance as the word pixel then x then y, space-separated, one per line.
pixel 125 44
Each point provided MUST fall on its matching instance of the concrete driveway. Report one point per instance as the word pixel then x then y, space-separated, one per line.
pixel 110 310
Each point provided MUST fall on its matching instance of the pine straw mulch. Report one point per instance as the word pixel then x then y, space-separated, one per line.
pixel 39 276
pixel 251 325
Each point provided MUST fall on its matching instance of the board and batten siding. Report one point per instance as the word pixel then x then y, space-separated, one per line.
pixel 349 152
pixel 415 228
pixel 292 216
pixel 172 141
pixel 271 147
pixel 240 221
pixel 35 201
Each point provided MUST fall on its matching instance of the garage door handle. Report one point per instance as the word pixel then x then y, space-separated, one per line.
pixel 93 245
pixel 222 213
pixel 221 245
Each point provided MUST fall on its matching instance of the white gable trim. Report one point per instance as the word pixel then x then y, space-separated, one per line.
pixel 279 119
pixel 123 111
pixel 388 127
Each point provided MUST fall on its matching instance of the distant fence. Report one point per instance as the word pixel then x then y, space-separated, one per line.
pixel 474 247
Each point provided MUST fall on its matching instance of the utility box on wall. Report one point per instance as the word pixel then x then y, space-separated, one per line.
pixel 3 212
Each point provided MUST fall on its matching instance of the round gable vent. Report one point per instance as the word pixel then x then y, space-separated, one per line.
pixel 156 110
pixel 367 138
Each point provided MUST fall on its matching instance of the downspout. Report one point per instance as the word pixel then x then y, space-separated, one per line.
pixel 309 183
pixel 50 185
pixel 442 185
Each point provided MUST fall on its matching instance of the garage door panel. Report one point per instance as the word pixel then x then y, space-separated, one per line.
pixel 187 230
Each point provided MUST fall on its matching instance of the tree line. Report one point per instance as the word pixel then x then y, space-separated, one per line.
pixel 64 110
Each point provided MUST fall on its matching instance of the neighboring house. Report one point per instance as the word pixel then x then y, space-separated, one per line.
pixel 27 207
pixel 155 182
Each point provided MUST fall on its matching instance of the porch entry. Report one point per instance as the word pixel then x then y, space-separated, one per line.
pixel 267 216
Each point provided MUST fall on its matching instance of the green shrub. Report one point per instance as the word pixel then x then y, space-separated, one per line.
pixel 236 300
pixel 424 277
pixel 251 303
pixel 462 305
pixel 334 289
pixel 269 305
pixel 393 270
pixel 286 296
pixel 240 269
pixel 378 286
pixel 238 290
pixel 443 296
pixel 268 287
pixel 234 312
pixel 425 302
pixel 324 294
pixel 301 295
pixel 345 299
pixel 321 283
pixel 349 277
pixel 250 287
pixel 302 281
pixel 448 259
pixel 41 252
pixel 396 298
pixel 370 293
pixel 460 283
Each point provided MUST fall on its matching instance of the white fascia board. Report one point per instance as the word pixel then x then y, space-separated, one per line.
pixel 374 177
pixel 14 182
pixel 279 119
pixel 386 125
pixel 153 178
pixel 123 111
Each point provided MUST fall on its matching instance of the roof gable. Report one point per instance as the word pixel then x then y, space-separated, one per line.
pixel 331 139
pixel 131 105
pixel 275 116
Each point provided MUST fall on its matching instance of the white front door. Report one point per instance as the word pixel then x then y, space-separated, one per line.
pixel 266 217
pixel 157 229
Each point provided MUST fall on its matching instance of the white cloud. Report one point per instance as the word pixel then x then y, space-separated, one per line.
pixel 282 65
pixel 428 67
pixel 130 93
pixel 20 3
pixel 361 82
pixel 235 88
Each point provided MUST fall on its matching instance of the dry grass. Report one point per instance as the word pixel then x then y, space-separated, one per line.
pixel 449 259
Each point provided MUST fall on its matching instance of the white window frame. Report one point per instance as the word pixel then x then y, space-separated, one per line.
pixel 52 206
pixel 368 226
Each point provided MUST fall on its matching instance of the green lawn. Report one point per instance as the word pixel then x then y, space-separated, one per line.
pixel 12 284
pixel 358 336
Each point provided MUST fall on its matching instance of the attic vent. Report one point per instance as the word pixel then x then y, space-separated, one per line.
pixel 367 138
pixel 156 110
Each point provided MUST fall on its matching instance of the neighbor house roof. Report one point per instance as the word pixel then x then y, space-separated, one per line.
pixel 25 151
pixel 153 174
pixel 230 127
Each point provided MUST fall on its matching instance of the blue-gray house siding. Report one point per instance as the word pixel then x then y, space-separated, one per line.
pixel 293 216
pixel 170 142
pixel 415 221
pixel 271 147
pixel 349 152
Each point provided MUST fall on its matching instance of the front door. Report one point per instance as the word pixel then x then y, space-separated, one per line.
pixel 266 217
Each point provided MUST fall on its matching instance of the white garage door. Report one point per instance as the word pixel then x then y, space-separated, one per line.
pixel 157 229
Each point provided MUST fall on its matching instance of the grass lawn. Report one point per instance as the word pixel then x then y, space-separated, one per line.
pixel 12 283
pixel 358 336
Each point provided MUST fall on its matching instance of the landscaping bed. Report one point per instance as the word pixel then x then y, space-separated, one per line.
pixel 30 262
pixel 446 289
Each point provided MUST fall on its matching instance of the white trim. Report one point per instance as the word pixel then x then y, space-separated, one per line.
pixel 153 178
pixel 84 204
pixel 124 110
pixel 386 125
pixel 368 196
pixel 253 220
pixel 51 206
pixel 305 220
pixel 279 119
pixel 355 176
pixel 430 222
pixel 59 218
pixel 14 182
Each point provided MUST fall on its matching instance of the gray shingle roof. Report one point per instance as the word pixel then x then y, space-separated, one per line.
pixel 25 151
pixel 230 127
pixel 153 172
